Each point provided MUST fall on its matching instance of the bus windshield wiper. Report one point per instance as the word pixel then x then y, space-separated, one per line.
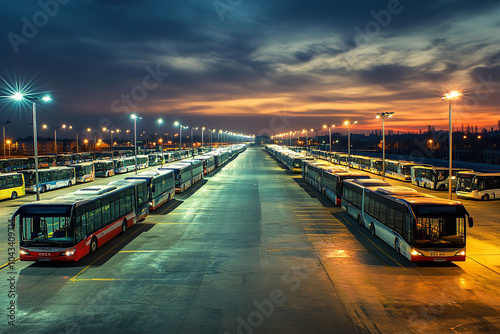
pixel 28 243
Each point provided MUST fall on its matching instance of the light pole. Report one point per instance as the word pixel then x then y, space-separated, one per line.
pixel 192 140
pixel 20 97
pixel 349 123
pixel 329 135
pixel 202 129
pixel 8 143
pixel 45 127
pixel 383 115
pixel 94 140
pixel 4 124
pixel 450 97
pixel 135 117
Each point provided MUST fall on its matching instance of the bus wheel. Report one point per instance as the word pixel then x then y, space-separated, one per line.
pixel 396 246
pixel 43 189
pixel 485 197
pixel 372 229
pixel 124 226
pixel 93 245
pixel 14 195
pixel 69 184
pixel 359 220
pixel 442 187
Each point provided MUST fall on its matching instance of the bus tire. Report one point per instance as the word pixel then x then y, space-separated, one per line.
pixel 360 222
pixel 43 189
pixel 124 226
pixel 93 245
pixel 442 187
pixel 396 246
pixel 13 195
pixel 69 184
pixel 372 229
pixel 485 197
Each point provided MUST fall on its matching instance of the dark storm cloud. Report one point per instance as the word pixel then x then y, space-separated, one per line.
pixel 92 52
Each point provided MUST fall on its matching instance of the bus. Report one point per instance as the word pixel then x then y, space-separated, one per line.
pixel 420 227
pixel 142 161
pixel 161 186
pixel 483 186
pixel 11 185
pixel 49 179
pixel 124 165
pixel 104 168
pixel 64 159
pixel 208 163
pixel 5 166
pixel 85 172
pixel 19 164
pixel 436 178
pixel 182 174
pixel 196 170
pixel 155 159
pixel 69 227
pixel 332 184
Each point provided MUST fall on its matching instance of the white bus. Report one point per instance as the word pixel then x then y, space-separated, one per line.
pixel 483 186
pixel 124 165
pixel 420 227
pixel 182 172
pixel 161 186
pixel 85 172
pixel 49 179
pixel 142 161
pixel 435 178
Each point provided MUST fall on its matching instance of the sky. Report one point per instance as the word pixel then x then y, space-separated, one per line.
pixel 256 67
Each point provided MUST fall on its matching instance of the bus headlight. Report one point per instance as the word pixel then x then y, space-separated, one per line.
pixel 415 252
pixel 24 252
pixel 460 253
pixel 69 252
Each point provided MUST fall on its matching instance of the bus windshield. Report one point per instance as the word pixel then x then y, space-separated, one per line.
pixel 444 230
pixel 49 231
pixel 466 183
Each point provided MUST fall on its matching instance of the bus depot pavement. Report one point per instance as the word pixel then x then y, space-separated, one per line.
pixel 254 249
pixel 231 256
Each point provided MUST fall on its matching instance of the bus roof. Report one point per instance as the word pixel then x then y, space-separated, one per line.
pixel 95 190
pixel 370 182
pixel 471 173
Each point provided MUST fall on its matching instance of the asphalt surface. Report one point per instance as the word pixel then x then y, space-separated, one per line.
pixel 237 253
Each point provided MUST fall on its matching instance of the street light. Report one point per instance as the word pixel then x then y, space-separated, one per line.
pixel 450 97
pixel 329 135
pixel 349 123
pixel 180 133
pixel 19 97
pixel 4 124
pixel 202 129
pixel 383 115
pixel 8 143
pixel 135 117
pixel 192 140
pixel 45 126
pixel 211 131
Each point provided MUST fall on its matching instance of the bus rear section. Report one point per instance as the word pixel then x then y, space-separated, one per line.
pixel 196 170
pixel 182 174
pixel 161 186
pixel 332 183
pixel 208 163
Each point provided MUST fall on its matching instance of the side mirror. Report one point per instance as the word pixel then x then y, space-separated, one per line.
pixel 471 221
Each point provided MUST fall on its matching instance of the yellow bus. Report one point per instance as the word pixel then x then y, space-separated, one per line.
pixel 11 185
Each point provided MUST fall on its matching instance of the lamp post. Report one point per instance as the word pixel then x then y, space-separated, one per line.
pixel 383 115
pixel 329 135
pixel 4 124
pixel 192 140
pixel 8 143
pixel 45 127
pixel 180 133
pixel 20 97
pixel 349 123
pixel 135 117
pixel 202 129
pixel 450 97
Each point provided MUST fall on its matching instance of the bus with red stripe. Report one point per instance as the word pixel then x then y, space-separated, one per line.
pixel 71 226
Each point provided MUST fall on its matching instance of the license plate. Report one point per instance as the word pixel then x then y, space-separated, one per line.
pixel 43 259
pixel 439 260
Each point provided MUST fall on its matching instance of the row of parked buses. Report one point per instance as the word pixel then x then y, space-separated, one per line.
pixel 68 227
pixel 467 183
pixel 13 185
pixel 418 226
